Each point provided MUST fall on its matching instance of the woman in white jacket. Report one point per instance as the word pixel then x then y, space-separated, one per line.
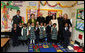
pixel 54 20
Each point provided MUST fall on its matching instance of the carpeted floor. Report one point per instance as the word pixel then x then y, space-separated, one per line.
pixel 40 47
pixel 47 47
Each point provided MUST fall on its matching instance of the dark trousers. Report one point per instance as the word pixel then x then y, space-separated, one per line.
pixel 66 41
pixel 37 39
pixel 60 36
pixel 48 37
pixel 15 41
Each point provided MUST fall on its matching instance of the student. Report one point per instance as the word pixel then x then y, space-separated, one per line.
pixel 15 35
pixel 48 31
pixel 24 33
pixel 32 34
pixel 45 35
pixel 20 27
pixel 54 33
pixel 19 31
pixel 42 29
pixel 66 35
pixel 28 26
pixel 37 33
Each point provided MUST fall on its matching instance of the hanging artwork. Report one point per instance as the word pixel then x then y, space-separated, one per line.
pixel 18 3
pixel 43 4
pixel 29 11
pixel 32 3
pixel 6 23
pixel 58 3
pixel 80 19
pixel 80 2
pixel 53 11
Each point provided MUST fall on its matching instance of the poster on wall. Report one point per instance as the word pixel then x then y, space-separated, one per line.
pixel 6 19
pixel 80 19
pixel 18 3
pixel 80 2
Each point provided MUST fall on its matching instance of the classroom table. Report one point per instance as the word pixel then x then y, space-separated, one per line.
pixel 4 44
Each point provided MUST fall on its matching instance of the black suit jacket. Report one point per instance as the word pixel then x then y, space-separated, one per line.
pixel 17 20
pixel 48 29
pixel 60 22
pixel 37 32
pixel 67 21
pixel 48 18
pixel 41 19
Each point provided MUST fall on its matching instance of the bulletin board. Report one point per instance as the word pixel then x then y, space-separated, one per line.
pixel 29 11
pixel 53 11
pixel 80 20
pixel 32 8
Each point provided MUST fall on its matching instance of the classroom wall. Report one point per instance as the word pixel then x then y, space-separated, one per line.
pixel 75 33
pixel 64 10
pixel 69 11
pixel 22 9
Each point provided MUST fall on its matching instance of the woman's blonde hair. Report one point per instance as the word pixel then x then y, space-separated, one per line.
pixel 66 15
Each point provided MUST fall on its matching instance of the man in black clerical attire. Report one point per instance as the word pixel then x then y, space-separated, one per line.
pixel 17 18
pixel 60 32
pixel 41 19
pixel 48 18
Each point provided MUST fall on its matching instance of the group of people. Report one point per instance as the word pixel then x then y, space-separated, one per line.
pixel 41 29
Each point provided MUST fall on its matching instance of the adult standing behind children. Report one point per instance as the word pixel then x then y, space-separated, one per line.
pixel 54 20
pixel 32 20
pixel 41 19
pixel 17 18
pixel 60 26
pixel 48 31
pixel 48 18
pixel 66 20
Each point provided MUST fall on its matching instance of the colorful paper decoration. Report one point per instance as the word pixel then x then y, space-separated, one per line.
pixel 79 20
pixel 43 4
pixel 51 5
pixel 8 5
pixel 58 3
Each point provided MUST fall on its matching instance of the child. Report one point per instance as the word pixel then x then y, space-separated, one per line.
pixel 24 33
pixel 20 27
pixel 32 34
pixel 28 26
pixel 15 35
pixel 19 32
pixel 37 33
pixel 42 29
pixel 45 35
pixel 66 35
pixel 54 33
pixel 48 32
